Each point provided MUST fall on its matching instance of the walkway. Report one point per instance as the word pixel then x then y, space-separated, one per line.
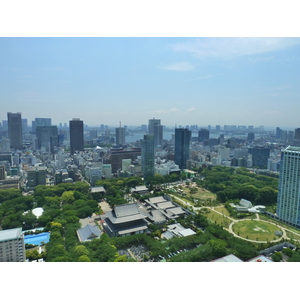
pixel 284 236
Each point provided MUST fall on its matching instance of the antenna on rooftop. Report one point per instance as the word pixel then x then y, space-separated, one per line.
pixel 120 123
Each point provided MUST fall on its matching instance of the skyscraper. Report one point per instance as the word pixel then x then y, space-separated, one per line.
pixel 47 137
pixel 152 123
pixel 158 135
pixel 120 136
pixel 203 135
pixel 288 200
pixel 15 130
pixel 76 135
pixel 260 156
pixel 182 146
pixel 147 153
pixel 40 122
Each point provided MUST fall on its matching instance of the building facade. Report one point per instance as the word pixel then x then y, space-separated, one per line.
pixel 47 137
pixel 76 136
pixel 15 130
pixel 203 135
pixel 12 247
pixel 147 153
pixel 158 135
pixel 260 156
pixel 182 146
pixel 120 136
pixel 288 200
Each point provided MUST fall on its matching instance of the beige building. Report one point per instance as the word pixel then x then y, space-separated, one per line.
pixel 12 247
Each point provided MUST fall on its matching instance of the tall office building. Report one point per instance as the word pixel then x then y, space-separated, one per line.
pixel 288 200
pixel 40 122
pixel 297 134
pixel 152 123
pixel 251 136
pixel 76 135
pixel 158 135
pixel 260 156
pixel 2 172
pixel 47 137
pixel 147 153
pixel 12 247
pixel 182 146
pixel 15 130
pixel 24 126
pixel 120 136
pixel 203 135
pixel 278 132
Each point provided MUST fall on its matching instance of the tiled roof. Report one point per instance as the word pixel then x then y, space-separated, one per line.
pixel 89 232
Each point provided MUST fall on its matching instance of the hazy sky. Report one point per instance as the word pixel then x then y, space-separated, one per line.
pixel 183 81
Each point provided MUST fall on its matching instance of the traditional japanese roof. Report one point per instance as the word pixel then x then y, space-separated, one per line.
pixel 124 213
pixel 88 232
pixel 156 200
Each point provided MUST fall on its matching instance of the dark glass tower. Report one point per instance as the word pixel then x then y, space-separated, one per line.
pixel 76 136
pixel 120 136
pixel 147 153
pixel 47 137
pixel 15 130
pixel 182 146
pixel 203 135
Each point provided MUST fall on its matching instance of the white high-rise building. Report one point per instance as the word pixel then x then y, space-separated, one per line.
pixel 288 201
pixel 12 247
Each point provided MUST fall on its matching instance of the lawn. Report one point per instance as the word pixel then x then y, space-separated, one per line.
pixel 255 230
pixel 200 193
pixel 217 218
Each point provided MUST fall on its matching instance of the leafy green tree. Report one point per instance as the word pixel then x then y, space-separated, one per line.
pixel 277 257
pixel 295 257
pixel 81 250
pixel 288 251
pixel 68 197
pixel 84 258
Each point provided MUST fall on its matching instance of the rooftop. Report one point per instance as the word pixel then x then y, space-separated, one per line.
pixel 10 234
pixel 228 258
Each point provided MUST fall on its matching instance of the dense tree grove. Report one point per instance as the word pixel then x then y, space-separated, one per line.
pixel 231 183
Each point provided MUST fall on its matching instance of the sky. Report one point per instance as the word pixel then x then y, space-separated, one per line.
pixel 182 81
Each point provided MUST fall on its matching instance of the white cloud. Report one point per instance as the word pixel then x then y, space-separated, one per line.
pixel 181 66
pixel 191 109
pixel 233 47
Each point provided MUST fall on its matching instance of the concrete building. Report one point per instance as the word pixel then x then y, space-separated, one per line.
pixel 47 137
pixel 158 135
pixel 115 157
pixel 2 173
pixel 182 146
pixel 260 157
pixel 15 130
pixel 147 153
pixel 120 136
pixel 5 145
pixel 76 135
pixel 288 201
pixel 36 176
pixel 152 123
pixel 203 135
pixel 40 122
pixel 12 247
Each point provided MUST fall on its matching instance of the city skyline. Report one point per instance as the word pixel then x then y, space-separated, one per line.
pixel 204 81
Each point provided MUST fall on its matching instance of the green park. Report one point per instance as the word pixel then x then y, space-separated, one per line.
pixel 256 230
